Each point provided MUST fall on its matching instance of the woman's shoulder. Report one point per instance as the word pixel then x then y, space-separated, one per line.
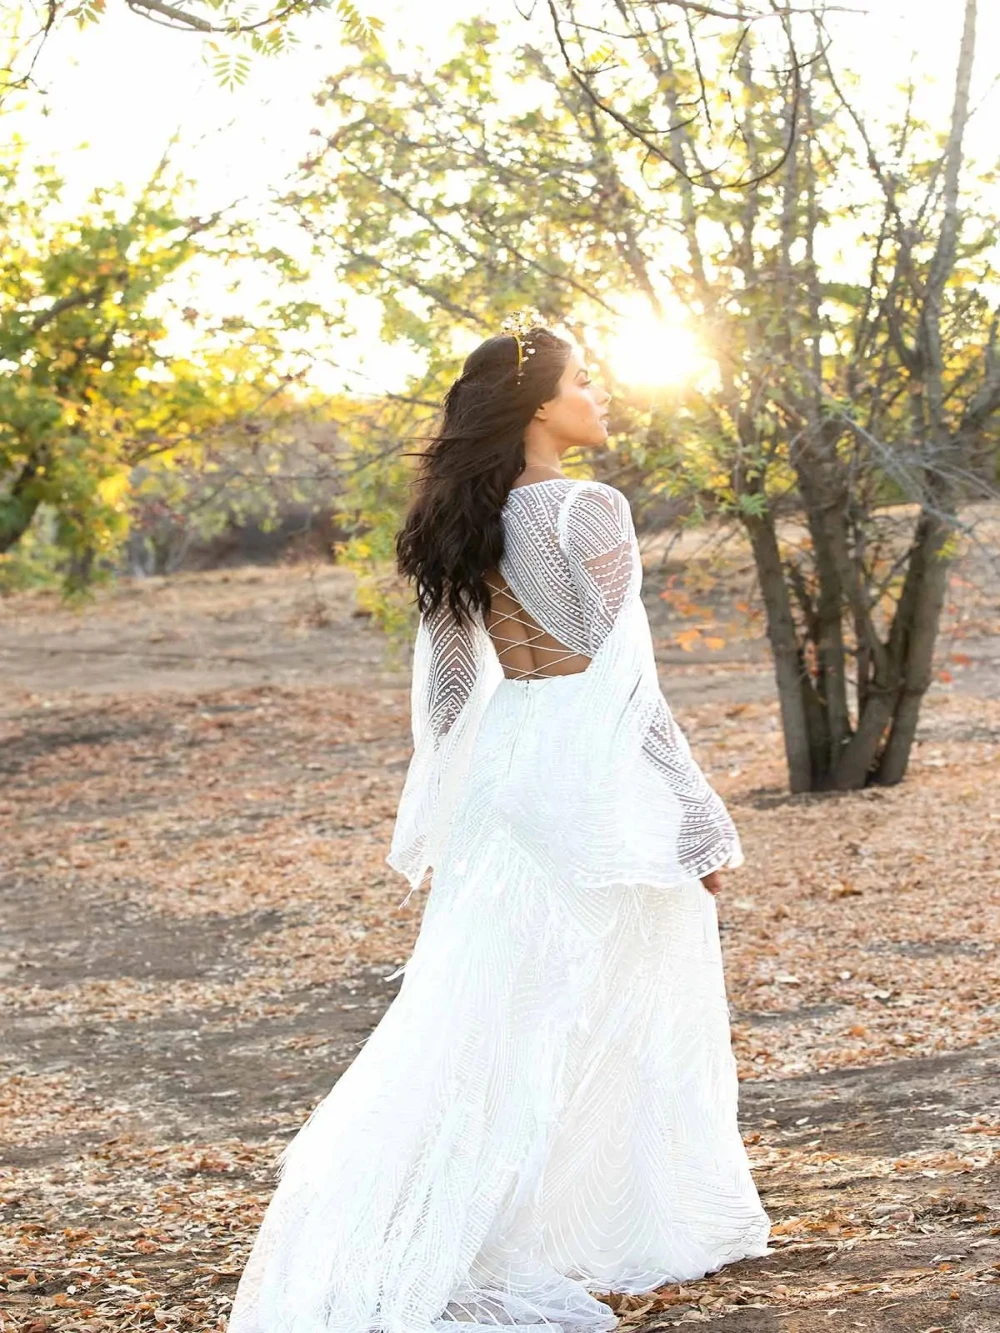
pixel 568 488
pixel 594 506
pixel 597 496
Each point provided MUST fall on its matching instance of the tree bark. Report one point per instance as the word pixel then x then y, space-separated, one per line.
pixel 18 507
pixel 787 654
pixel 930 570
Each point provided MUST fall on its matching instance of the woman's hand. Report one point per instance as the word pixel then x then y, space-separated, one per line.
pixel 713 882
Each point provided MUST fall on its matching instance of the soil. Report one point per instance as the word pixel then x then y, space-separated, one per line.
pixel 199 777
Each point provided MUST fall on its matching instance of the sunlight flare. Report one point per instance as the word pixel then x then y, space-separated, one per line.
pixel 649 351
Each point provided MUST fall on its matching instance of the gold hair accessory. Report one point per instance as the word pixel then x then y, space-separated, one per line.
pixel 516 326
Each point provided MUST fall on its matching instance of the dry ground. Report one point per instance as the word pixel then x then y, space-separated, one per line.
pixel 200 776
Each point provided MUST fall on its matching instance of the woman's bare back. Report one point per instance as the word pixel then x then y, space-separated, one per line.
pixel 524 648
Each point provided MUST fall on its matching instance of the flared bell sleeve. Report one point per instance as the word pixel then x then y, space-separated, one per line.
pixel 597 534
pixel 455 671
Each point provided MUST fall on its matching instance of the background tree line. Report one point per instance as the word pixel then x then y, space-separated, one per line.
pixel 704 160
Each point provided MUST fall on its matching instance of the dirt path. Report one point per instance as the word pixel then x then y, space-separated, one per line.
pixel 199 779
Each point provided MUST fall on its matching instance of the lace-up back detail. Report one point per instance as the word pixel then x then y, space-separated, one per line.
pixel 539 621
pixel 525 650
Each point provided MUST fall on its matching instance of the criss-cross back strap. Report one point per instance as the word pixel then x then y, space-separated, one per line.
pixel 562 654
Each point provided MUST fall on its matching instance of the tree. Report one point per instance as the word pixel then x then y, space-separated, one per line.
pixel 233 32
pixel 606 46
pixel 86 392
pixel 838 387
pixel 818 387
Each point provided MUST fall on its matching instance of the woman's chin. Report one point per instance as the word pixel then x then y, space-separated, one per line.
pixel 594 439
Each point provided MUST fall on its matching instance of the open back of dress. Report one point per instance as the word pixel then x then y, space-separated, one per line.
pixel 525 649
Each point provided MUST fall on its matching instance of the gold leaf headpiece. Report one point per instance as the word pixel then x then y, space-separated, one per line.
pixel 516 326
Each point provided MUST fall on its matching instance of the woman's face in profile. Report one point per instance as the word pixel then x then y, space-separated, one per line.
pixel 578 413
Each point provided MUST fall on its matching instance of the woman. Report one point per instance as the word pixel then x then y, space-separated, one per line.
pixel 547 1109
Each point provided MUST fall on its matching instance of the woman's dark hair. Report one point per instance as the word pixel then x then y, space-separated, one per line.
pixel 453 532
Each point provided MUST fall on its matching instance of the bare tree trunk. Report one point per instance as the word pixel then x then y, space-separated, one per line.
pixel 929 570
pixel 788 666
pixel 18 507
pixel 81 568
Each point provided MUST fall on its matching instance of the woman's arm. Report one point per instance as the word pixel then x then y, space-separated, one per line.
pixel 600 543
pixel 444 673
pixel 454 674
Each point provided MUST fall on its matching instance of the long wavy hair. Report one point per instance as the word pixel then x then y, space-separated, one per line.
pixel 452 532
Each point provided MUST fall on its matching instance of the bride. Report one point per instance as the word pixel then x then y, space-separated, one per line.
pixel 548 1108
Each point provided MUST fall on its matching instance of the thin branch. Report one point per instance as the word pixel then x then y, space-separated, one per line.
pixel 66 303
pixel 182 19
pixel 643 137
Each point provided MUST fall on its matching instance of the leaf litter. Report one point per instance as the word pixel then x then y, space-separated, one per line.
pixel 248 824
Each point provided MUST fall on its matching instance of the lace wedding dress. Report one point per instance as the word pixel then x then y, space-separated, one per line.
pixel 548 1108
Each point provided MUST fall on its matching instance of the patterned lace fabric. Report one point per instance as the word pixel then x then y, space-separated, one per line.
pixel 640 808
pixel 547 1110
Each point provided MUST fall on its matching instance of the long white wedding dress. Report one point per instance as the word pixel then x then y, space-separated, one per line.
pixel 548 1108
